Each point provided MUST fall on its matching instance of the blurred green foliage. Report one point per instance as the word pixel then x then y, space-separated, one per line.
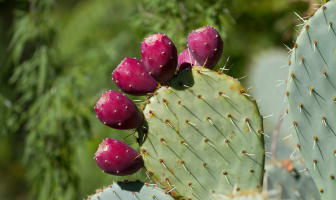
pixel 56 57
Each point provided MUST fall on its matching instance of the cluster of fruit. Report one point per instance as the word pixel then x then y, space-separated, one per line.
pixel 158 65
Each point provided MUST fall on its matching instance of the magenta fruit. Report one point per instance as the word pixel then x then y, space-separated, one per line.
pixel 118 111
pixel 115 157
pixel 159 56
pixel 132 77
pixel 185 60
pixel 205 45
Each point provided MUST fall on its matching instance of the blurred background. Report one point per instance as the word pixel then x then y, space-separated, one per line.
pixel 56 58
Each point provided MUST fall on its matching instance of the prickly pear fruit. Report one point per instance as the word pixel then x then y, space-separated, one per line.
pixel 205 45
pixel 117 158
pixel 159 56
pixel 117 111
pixel 132 77
pixel 185 60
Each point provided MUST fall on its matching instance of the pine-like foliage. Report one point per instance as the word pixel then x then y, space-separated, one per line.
pixel 41 104
pixel 55 80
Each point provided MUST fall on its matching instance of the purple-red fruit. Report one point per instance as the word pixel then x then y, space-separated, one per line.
pixel 159 56
pixel 118 111
pixel 205 45
pixel 117 158
pixel 132 77
pixel 185 60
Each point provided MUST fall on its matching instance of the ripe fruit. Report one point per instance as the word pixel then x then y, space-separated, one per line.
pixel 118 111
pixel 185 60
pixel 132 77
pixel 205 45
pixel 115 157
pixel 159 56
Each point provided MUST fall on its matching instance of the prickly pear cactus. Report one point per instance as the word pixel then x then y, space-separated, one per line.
pixel 243 196
pixel 311 97
pixel 116 192
pixel 287 181
pixel 204 136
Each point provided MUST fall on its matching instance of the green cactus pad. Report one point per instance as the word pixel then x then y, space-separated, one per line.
pixel 118 192
pixel 243 196
pixel 204 136
pixel 311 97
pixel 286 182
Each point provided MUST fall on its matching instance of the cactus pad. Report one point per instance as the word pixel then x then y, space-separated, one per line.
pixel 243 196
pixel 116 192
pixel 288 182
pixel 204 136
pixel 311 97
